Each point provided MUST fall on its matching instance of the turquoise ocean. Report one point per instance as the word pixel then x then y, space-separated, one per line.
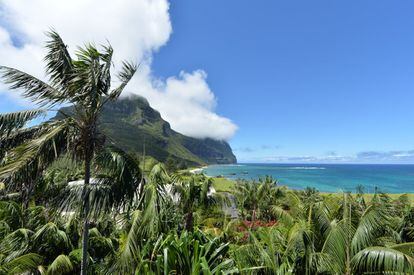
pixel 325 177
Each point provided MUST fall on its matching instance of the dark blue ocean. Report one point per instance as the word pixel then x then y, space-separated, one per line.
pixel 326 177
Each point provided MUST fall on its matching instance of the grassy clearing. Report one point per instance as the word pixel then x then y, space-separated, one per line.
pixel 393 196
pixel 223 185
pixel 368 197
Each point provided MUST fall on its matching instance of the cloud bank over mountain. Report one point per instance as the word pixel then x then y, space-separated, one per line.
pixel 136 29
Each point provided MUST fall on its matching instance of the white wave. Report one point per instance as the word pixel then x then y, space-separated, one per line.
pixel 306 168
pixel 196 170
pixel 225 165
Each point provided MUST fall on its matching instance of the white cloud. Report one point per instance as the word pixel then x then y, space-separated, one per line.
pixel 186 102
pixel 135 29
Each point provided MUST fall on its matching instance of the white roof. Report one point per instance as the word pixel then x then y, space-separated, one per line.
pixel 81 182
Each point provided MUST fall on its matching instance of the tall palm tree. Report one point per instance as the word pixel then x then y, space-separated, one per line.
pixel 84 82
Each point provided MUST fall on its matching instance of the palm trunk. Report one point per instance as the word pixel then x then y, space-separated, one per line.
pixel 25 195
pixel 189 221
pixel 253 217
pixel 27 192
pixel 347 217
pixel 85 197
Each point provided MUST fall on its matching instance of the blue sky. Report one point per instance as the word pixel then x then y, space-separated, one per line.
pixel 302 78
pixel 304 81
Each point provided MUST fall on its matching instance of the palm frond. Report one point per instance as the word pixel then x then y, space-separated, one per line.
pixel 270 244
pixel 337 243
pixel 324 264
pixel 282 215
pixel 11 213
pixel 35 217
pixel 17 137
pixel 22 264
pixel 16 243
pixel 373 221
pixel 321 219
pixel 99 245
pixel 12 121
pixel 44 149
pixel 129 250
pixel 106 57
pixel 248 258
pixel 296 206
pixel 4 229
pixel 115 184
pixel 159 174
pixel 33 88
pixel 51 235
pixel 58 61
pixel 407 248
pixel 125 75
pixel 99 196
pixel 61 265
pixel 382 260
pixel 299 237
pixel 122 170
pixel 152 203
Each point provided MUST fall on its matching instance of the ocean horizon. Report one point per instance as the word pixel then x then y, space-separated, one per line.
pixel 389 178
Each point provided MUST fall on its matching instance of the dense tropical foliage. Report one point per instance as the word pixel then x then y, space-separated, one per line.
pixel 69 197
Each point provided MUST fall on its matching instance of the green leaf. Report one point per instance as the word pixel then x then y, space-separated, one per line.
pixel 61 265
pixel 381 259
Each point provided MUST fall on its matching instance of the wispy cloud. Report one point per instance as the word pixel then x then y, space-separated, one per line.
pixel 310 159
pixel 269 147
pixel 387 155
pixel 244 149
pixel 398 156
pixel 249 149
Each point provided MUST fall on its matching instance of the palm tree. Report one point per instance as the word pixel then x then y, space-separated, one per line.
pixel 264 252
pixel 258 197
pixel 145 223
pixel 196 191
pixel 84 82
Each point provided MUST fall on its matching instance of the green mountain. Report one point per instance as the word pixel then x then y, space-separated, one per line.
pixel 131 122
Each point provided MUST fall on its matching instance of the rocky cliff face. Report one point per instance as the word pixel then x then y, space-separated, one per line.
pixel 131 122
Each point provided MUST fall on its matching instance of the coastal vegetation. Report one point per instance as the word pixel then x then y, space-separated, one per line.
pixel 74 201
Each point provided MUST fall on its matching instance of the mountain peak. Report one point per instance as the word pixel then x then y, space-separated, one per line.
pixel 130 122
